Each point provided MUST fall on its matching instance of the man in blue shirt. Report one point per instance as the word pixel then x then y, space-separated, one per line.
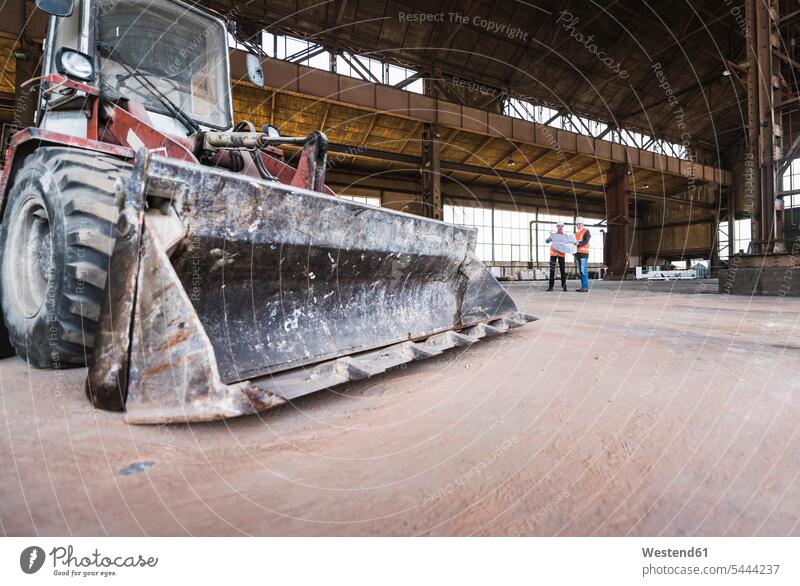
pixel 582 237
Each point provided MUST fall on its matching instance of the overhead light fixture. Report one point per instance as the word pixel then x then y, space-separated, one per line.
pixel 646 186
pixel 726 73
pixel 511 162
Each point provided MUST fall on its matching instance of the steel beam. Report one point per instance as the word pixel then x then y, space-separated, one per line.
pixel 293 79
pixel 431 173
pixel 617 246
pixel 451 166
pixel 765 134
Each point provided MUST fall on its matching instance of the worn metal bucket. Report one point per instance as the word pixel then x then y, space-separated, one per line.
pixel 272 292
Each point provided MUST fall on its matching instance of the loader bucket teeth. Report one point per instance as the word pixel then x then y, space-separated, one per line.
pixel 273 293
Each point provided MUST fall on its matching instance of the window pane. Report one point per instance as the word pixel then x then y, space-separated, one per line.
pixel 369 200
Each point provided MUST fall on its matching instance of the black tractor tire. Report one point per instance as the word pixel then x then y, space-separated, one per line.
pixel 56 240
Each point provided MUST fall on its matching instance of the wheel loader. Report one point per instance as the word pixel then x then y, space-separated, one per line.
pixel 174 251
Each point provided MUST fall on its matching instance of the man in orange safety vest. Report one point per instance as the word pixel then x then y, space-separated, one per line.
pixel 582 237
pixel 556 256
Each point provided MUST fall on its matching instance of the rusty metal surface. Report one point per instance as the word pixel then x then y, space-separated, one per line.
pixel 106 383
pixel 127 129
pixel 310 172
pixel 302 381
pixel 282 277
pixel 173 371
pixel 276 292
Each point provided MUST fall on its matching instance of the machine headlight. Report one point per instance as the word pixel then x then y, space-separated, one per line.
pixel 74 64
pixel 255 72
pixel 56 7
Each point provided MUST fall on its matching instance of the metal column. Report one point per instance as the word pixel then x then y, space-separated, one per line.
pixel 431 173
pixel 731 225
pixel 617 244
pixel 765 131
pixel 714 261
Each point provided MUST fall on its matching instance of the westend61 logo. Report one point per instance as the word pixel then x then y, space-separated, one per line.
pixel 66 563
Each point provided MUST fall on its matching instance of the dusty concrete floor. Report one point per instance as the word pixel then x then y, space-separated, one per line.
pixel 619 412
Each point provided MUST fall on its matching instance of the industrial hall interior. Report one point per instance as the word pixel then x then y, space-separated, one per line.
pixel 447 268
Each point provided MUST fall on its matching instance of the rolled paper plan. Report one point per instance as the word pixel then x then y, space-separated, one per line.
pixel 564 242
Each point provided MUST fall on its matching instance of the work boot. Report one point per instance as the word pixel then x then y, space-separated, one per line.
pixel 550 289
pixel 565 287
pixel 582 290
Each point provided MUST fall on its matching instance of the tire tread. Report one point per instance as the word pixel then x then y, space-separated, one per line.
pixel 85 182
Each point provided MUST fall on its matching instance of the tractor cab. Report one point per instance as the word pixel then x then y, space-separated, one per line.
pixel 162 57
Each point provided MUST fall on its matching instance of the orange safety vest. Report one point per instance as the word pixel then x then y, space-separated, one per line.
pixel 554 252
pixel 579 236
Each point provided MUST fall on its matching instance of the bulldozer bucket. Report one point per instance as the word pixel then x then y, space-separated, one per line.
pixel 269 292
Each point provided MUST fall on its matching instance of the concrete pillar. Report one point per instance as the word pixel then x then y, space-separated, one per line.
pixel 617 246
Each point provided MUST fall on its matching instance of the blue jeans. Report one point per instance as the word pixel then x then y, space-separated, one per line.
pixel 583 270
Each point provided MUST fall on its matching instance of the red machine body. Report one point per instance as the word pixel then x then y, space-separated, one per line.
pixel 111 128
